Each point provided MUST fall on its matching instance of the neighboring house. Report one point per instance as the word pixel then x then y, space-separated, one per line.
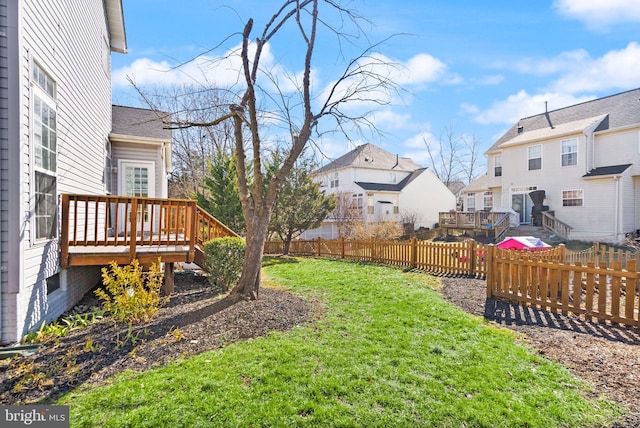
pixel 57 137
pixel 477 196
pixel 380 187
pixel 585 157
pixel 456 188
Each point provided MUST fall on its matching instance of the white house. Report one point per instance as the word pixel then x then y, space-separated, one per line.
pixel 382 187
pixel 585 157
pixel 57 137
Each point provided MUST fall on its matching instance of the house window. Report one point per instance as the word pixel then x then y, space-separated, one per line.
pixel 370 209
pixel 108 168
pixel 497 166
pixel 392 177
pixel 44 154
pixel 535 157
pixel 334 180
pixel 471 202
pixel 570 152
pixel 396 208
pixel 488 201
pixel 572 198
pixel 357 202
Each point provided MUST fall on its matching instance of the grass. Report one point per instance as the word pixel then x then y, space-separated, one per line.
pixel 388 351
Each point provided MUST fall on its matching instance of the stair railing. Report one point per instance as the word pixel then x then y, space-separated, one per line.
pixel 552 224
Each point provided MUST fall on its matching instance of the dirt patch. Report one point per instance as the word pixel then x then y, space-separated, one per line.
pixel 605 356
pixel 196 319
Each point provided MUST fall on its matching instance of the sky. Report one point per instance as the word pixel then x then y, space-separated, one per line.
pixel 474 67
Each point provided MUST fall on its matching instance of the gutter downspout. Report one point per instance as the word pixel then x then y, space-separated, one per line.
pixel 616 223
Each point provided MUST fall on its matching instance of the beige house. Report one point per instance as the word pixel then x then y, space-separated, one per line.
pixel 586 158
pixel 380 187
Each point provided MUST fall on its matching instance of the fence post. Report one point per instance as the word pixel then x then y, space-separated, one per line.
pixel 490 267
pixel 472 257
pixel 414 252
pixel 133 221
pixel 318 244
pixel 341 240
pixel 562 253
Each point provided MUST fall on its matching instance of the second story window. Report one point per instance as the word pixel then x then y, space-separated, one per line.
pixel 570 152
pixel 334 180
pixel 497 166
pixel 534 155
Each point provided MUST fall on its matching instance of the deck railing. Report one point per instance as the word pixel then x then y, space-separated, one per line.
pixel 470 220
pixel 556 226
pixel 104 222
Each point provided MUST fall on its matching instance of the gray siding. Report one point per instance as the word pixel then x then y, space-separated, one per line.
pixel 4 150
pixel 67 38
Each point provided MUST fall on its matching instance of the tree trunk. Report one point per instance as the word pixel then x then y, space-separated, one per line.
pixel 287 246
pixel 249 283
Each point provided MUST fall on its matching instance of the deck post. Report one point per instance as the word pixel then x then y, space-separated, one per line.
pixel 169 279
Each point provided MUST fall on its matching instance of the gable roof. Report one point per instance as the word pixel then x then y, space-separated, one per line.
pixel 115 21
pixel 370 156
pixel 139 122
pixel 614 111
pixel 397 187
pixel 479 184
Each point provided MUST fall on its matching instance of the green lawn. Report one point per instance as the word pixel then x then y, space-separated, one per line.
pixel 387 351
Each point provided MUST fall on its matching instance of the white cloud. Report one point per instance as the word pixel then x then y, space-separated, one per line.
pixel 491 80
pixel 600 14
pixel 565 61
pixel 223 71
pixel 614 70
pixel 522 105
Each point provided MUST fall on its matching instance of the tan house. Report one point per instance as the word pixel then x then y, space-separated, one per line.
pixel 586 159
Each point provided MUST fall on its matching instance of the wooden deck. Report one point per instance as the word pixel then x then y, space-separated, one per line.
pixel 489 223
pixel 97 230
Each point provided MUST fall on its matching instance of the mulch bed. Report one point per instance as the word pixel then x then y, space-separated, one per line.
pixel 196 319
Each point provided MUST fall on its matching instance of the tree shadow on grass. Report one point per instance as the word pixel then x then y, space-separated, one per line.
pixel 507 313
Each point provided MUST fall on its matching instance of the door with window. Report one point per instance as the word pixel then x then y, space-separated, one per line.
pixel 522 204
pixel 137 179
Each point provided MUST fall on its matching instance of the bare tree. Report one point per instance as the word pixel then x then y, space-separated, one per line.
pixel 367 79
pixel 192 147
pixel 444 154
pixel 346 214
pixel 471 159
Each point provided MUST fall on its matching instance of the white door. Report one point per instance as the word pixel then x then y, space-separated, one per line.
pixel 137 179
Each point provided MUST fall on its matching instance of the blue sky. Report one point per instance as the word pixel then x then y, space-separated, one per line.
pixel 475 66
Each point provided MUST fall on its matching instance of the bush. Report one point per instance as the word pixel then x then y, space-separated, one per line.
pixel 132 295
pixel 224 258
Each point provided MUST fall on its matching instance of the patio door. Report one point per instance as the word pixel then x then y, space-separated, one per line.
pixel 137 179
pixel 522 204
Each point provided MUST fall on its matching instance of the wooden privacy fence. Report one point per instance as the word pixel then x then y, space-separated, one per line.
pixel 455 258
pixel 604 291
pixel 605 286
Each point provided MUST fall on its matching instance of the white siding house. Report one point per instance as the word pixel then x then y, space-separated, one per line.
pixel 382 187
pixel 585 157
pixel 55 125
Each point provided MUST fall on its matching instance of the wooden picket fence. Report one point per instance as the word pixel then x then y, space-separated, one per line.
pixel 594 284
